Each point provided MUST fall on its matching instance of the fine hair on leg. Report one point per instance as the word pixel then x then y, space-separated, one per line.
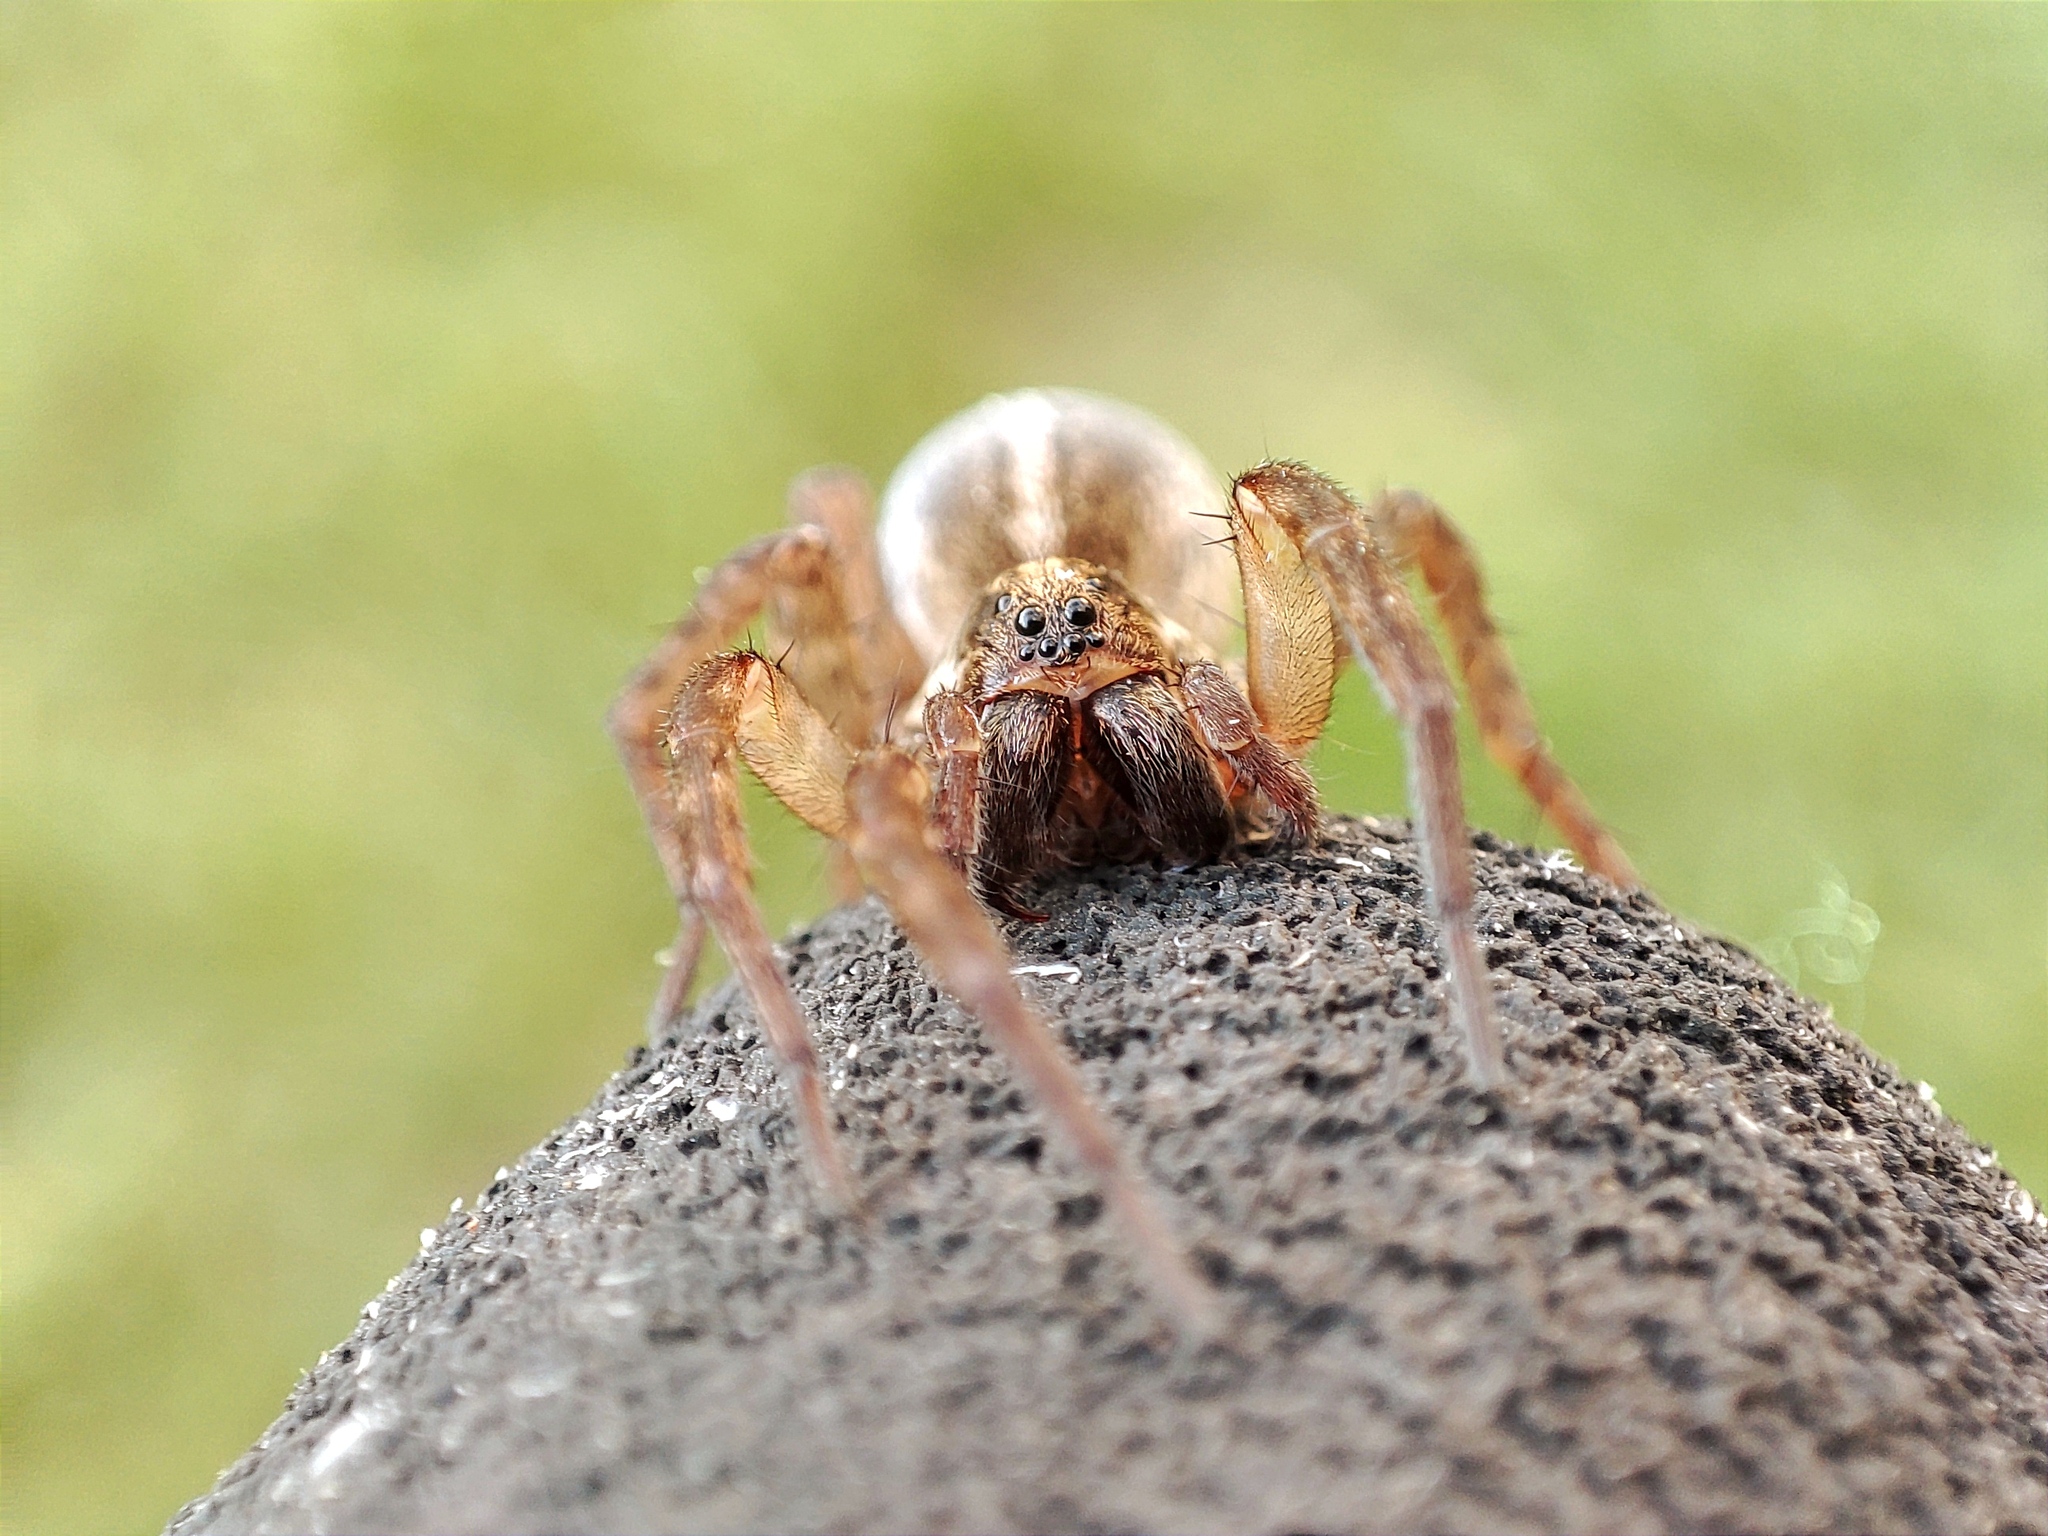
pixel 953 741
pixel 1226 720
pixel 803 576
pixel 1365 594
pixel 733 706
pixel 1422 537
pixel 846 650
pixel 1291 647
pixel 887 800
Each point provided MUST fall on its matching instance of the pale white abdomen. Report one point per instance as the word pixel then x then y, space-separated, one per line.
pixel 1045 472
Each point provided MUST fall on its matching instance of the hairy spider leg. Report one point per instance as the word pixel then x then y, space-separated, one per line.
pixel 1291 650
pixel 799 558
pixel 1365 594
pixel 842 644
pixel 821 585
pixel 953 741
pixel 851 657
pixel 1423 538
pixel 888 797
pixel 741 705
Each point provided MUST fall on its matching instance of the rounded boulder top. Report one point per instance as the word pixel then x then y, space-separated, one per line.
pixel 1705 1264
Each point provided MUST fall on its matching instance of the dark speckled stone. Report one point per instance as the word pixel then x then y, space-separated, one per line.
pixel 1708 1266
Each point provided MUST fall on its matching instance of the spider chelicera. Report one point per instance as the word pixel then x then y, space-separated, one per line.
pixel 1026 662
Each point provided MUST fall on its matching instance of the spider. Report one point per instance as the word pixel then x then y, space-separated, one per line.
pixel 1022 664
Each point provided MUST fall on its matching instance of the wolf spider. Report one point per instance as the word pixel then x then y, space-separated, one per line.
pixel 1020 666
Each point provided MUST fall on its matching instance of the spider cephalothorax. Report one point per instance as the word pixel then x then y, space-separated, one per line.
pixel 1096 740
pixel 1041 588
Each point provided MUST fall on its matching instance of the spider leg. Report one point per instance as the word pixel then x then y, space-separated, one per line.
pixel 840 639
pixel 740 705
pixel 798 560
pixel 1423 537
pixel 853 659
pixel 887 797
pixel 1365 594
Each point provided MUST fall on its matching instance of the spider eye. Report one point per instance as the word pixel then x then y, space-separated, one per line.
pixel 1030 621
pixel 1005 603
pixel 1080 612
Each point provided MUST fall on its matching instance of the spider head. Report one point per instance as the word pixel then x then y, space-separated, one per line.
pixel 1060 626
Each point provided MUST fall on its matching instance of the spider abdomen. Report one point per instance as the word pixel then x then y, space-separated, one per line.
pixel 1052 472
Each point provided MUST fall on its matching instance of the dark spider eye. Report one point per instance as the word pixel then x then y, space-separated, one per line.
pixel 1095 637
pixel 1048 647
pixel 1080 612
pixel 1026 651
pixel 1029 621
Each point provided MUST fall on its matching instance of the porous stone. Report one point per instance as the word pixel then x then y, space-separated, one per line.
pixel 1706 1265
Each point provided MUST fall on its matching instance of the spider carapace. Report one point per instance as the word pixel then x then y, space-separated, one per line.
pixel 1028 661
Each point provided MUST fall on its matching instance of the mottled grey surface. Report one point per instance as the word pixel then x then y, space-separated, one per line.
pixel 1708 1265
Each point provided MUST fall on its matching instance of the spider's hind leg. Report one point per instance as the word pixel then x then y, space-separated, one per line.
pixel 888 804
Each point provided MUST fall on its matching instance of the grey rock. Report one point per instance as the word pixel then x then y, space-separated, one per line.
pixel 1707 1265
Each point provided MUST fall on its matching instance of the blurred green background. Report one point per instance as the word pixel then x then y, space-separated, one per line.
pixel 374 381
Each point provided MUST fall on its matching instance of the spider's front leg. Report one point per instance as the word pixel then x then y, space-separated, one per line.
pixel 1326 540
pixel 894 842
pixel 819 581
pixel 726 603
pixel 1308 553
pixel 741 705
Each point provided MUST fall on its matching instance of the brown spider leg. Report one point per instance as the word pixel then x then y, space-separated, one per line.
pixel 845 649
pixel 1372 606
pixel 866 645
pixel 739 704
pixel 1423 537
pixel 728 600
pixel 887 796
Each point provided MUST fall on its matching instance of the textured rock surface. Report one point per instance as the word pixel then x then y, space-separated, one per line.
pixel 1707 1266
